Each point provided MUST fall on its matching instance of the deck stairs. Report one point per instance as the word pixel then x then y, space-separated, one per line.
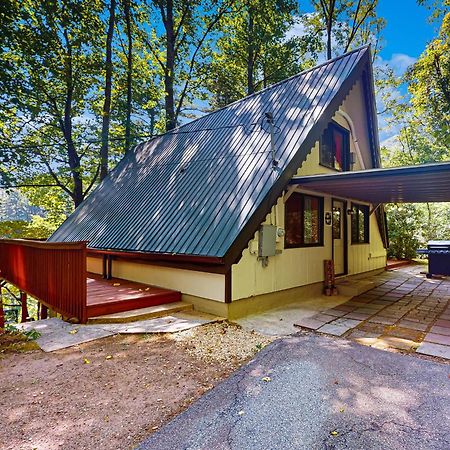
pixel 150 312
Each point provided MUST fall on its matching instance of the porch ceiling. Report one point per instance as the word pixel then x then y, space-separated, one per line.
pixel 410 184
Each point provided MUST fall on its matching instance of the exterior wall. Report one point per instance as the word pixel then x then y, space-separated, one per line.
pixel 296 267
pixel 365 257
pixel 94 265
pixel 200 284
pixel 291 268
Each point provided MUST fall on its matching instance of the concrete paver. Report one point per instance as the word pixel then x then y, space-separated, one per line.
pixel 56 334
pixel 404 308
pixel 437 339
pixel 333 329
pixel 428 348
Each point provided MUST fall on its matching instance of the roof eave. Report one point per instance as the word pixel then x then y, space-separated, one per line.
pixel 152 256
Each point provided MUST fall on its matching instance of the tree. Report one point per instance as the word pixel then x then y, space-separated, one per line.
pixel 186 26
pixel 129 58
pixel 344 24
pixel 108 88
pixel 423 138
pixel 66 94
pixel 253 50
pixel 429 85
pixel 49 63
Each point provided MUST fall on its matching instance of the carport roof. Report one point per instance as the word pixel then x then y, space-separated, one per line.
pixel 410 184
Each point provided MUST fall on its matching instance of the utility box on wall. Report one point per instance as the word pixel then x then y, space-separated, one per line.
pixel 267 240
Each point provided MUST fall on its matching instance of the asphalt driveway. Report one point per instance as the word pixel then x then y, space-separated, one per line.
pixel 315 392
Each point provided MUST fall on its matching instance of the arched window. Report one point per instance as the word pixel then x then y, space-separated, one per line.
pixel 335 148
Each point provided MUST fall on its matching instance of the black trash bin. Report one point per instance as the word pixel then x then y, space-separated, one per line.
pixel 438 257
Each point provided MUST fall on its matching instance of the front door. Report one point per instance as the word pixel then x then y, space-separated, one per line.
pixel 339 237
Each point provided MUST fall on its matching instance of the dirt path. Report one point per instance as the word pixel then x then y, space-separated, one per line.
pixel 111 393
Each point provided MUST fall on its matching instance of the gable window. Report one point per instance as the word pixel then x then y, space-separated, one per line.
pixel 335 147
pixel 303 221
pixel 360 224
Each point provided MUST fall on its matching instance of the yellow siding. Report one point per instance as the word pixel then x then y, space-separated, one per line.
pixel 95 265
pixel 303 266
pixel 206 285
pixel 365 257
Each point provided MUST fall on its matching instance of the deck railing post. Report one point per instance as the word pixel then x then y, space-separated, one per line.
pixel 23 301
pixel 2 314
pixel 44 312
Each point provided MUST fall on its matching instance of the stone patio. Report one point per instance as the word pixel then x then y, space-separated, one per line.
pixel 405 311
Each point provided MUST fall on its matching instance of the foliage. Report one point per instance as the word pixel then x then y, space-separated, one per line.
pixel 30 335
pixel 253 50
pixel 429 85
pixel 49 66
pixel 404 230
pixel 74 87
pixel 13 229
pixel 52 73
pixel 423 138
pixel 345 24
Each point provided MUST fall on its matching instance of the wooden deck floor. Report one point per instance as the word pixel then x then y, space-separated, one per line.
pixel 117 295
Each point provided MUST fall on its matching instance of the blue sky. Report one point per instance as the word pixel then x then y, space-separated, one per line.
pixel 405 36
pixel 407 28
pixel 407 32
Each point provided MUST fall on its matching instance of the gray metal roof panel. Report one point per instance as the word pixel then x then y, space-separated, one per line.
pixel 191 190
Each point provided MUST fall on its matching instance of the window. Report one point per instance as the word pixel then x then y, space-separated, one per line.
pixel 303 221
pixel 335 148
pixel 360 224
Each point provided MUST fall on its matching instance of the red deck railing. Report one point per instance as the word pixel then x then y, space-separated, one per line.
pixel 54 273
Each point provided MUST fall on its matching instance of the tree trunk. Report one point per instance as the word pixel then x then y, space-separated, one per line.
pixel 329 29
pixel 75 168
pixel 250 55
pixel 129 75
pixel 66 127
pixel 170 65
pixel 2 312
pixel 104 150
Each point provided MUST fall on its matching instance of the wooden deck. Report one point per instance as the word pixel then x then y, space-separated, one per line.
pixel 396 263
pixel 117 295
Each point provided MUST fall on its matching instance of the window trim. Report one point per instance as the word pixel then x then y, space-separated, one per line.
pixel 302 212
pixel 346 151
pixel 366 212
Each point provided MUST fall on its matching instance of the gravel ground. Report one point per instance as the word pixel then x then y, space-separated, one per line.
pixel 222 342
pixel 112 393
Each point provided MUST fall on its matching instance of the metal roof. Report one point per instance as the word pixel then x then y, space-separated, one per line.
pixel 194 189
pixel 410 184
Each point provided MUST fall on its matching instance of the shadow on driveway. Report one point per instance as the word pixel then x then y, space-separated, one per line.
pixel 321 393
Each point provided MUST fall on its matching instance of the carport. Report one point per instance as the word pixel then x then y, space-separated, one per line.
pixel 410 184
pixel 404 311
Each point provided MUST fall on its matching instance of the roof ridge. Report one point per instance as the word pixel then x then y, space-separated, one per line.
pixel 303 72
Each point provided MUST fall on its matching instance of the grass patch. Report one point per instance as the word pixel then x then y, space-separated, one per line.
pixel 14 341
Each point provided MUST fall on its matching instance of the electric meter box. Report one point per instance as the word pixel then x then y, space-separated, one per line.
pixel 267 240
